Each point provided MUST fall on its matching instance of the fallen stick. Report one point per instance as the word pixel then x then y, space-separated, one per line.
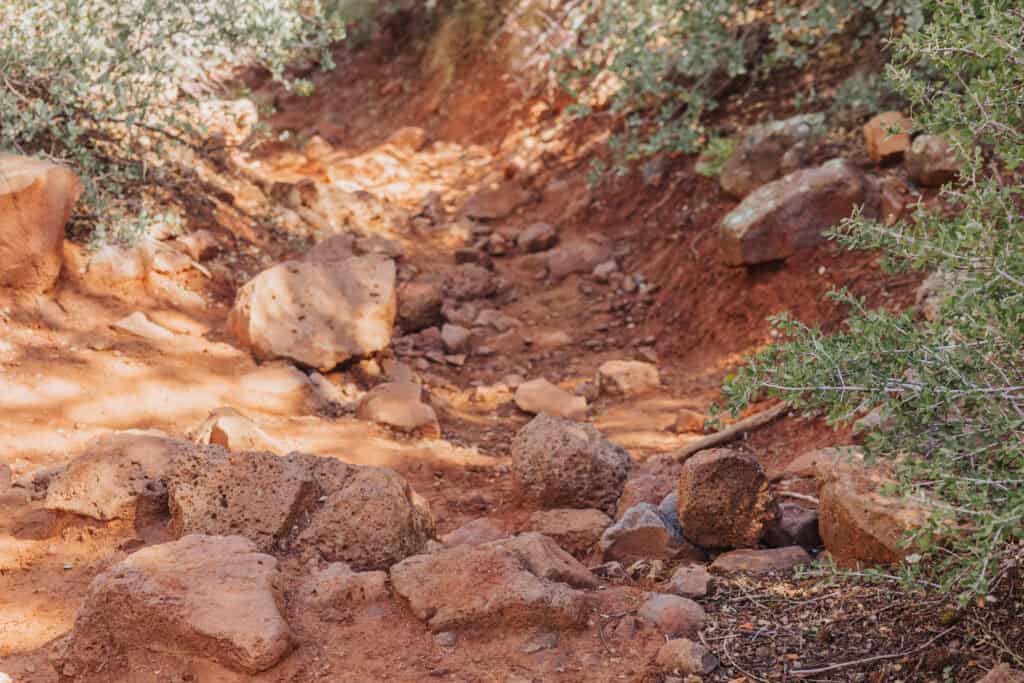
pixel 731 432
pixel 799 496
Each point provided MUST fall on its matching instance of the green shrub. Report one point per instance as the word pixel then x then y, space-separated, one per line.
pixel 661 65
pixel 954 386
pixel 96 83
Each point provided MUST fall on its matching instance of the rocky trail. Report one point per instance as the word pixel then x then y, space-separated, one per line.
pixel 419 426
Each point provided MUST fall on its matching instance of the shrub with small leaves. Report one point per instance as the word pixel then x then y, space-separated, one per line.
pixel 951 386
pixel 98 83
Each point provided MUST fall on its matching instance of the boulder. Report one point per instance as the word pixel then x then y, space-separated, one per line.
pixel 768 151
pixel 575 530
pixel 368 517
pixel 627 377
pixel 887 136
pixel 256 495
pixel 36 199
pixel 507 583
pixel 399 405
pixel 233 431
pixel 541 396
pixel 208 597
pixel 537 237
pixel 792 213
pixel 931 161
pixel 566 464
pixel 794 525
pixel 497 202
pixel 724 499
pixel 336 585
pixel 576 257
pixel 760 561
pixel 682 655
pixel 641 534
pixel 689 581
pixel 479 531
pixel 673 615
pixel 120 476
pixel 859 525
pixel 317 314
pixel 419 305
pixel 374 520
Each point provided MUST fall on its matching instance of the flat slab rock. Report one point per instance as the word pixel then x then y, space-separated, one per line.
pixel 211 597
pixel 119 476
pixel 400 406
pixel 541 396
pixel 760 561
pixel 526 581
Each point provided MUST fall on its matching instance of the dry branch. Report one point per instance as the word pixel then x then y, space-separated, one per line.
pixel 731 432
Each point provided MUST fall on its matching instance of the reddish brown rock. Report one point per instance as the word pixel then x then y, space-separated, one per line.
pixel 859 525
pixel 724 501
pixel 495 203
pixel 684 656
pixel 36 199
pixel 537 237
pixel 931 161
pixel 563 463
pixel 575 530
pixel 673 615
pixel 497 584
pixel 211 597
pixel 1003 674
pixel 477 532
pixel 336 585
pixel 419 305
pixel 576 257
pixel 793 213
pixel 887 136
pixel 760 561
pixel 689 581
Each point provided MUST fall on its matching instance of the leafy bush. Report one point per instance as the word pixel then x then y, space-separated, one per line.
pixel 952 387
pixel 661 65
pixel 97 83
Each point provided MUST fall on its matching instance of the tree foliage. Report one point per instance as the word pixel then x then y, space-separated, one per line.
pixel 98 83
pixel 951 388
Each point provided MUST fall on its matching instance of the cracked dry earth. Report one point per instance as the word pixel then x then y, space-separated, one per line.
pixel 68 376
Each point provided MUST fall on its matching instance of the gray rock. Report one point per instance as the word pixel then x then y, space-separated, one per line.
pixel 794 525
pixel 641 534
pixel 768 151
pixel 690 581
pixel 931 161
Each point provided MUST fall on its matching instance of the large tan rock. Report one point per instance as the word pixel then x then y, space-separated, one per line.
pixel 627 377
pixel 792 213
pixel 211 597
pixel 563 463
pixel 120 476
pixel 768 151
pixel 36 199
pixel 724 501
pixel 859 525
pixel 541 396
pixel 399 405
pixel 319 314
pixel 887 135
pixel 519 582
